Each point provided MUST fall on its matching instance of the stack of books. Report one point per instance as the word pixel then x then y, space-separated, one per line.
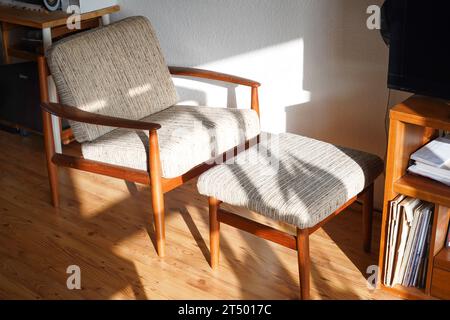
pixel 433 160
pixel 408 238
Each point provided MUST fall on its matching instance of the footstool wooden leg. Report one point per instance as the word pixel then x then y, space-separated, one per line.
pixel 214 232
pixel 367 199
pixel 304 267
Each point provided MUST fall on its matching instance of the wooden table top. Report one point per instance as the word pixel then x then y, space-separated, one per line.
pixel 423 111
pixel 42 20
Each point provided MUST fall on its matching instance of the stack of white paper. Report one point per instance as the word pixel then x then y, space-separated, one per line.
pixel 433 160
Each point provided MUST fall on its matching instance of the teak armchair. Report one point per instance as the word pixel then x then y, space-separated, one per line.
pixel 153 176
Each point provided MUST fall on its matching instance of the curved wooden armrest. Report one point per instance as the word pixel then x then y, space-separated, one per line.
pixel 78 115
pixel 205 74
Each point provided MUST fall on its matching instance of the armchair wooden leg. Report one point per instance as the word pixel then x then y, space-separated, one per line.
pixel 214 232
pixel 50 152
pixel 157 193
pixel 367 199
pixel 158 217
pixel 53 178
pixel 304 264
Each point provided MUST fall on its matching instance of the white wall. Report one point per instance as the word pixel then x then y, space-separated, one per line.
pixel 323 73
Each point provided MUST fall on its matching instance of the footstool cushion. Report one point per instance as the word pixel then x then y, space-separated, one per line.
pixel 293 179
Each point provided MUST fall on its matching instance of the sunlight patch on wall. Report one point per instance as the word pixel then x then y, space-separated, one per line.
pixel 278 68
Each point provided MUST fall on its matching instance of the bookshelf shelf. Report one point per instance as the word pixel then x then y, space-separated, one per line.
pixel 424 189
pixel 22 54
pixel 407 293
pixel 414 123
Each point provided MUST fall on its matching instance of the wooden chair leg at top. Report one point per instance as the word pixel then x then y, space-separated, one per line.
pixel 157 193
pixel 367 199
pixel 214 232
pixel 304 263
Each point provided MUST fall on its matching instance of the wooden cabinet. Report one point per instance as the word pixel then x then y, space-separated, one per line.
pixel 440 283
pixel 414 123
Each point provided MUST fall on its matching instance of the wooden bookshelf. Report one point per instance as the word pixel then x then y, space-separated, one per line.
pixel 414 123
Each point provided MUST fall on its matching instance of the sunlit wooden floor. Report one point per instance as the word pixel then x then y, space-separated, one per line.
pixel 102 227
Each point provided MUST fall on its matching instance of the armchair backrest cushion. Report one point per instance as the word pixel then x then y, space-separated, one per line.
pixel 116 70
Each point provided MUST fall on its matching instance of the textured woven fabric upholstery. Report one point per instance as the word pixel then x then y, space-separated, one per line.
pixel 294 179
pixel 188 137
pixel 117 70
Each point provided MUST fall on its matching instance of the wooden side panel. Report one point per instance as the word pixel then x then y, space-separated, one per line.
pixel 441 284
pixel 441 225
pixel 396 131
pixel 438 237
pixel 442 260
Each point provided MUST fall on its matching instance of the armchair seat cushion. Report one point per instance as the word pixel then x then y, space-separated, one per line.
pixel 189 136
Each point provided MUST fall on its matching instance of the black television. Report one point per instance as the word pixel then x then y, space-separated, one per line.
pixel 418 33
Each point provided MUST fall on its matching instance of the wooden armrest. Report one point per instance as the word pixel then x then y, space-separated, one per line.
pixel 199 73
pixel 78 115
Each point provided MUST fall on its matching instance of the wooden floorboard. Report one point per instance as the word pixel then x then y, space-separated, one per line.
pixel 103 227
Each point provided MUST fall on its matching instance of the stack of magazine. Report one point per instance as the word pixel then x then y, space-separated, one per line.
pixel 407 243
pixel 433 160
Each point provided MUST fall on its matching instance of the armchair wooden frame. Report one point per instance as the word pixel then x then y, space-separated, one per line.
pixel 159 185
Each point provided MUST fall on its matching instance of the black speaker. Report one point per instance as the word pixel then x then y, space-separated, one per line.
pixel 52 5
pixel 19 95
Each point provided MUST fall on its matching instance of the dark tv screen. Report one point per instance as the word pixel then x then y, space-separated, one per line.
pixel 419 59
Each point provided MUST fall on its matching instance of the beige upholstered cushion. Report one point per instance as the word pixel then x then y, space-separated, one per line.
pixel 293 179
pixel 117 70
pixel 188 137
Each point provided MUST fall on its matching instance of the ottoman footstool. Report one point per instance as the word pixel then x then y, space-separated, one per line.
pixel 293 179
